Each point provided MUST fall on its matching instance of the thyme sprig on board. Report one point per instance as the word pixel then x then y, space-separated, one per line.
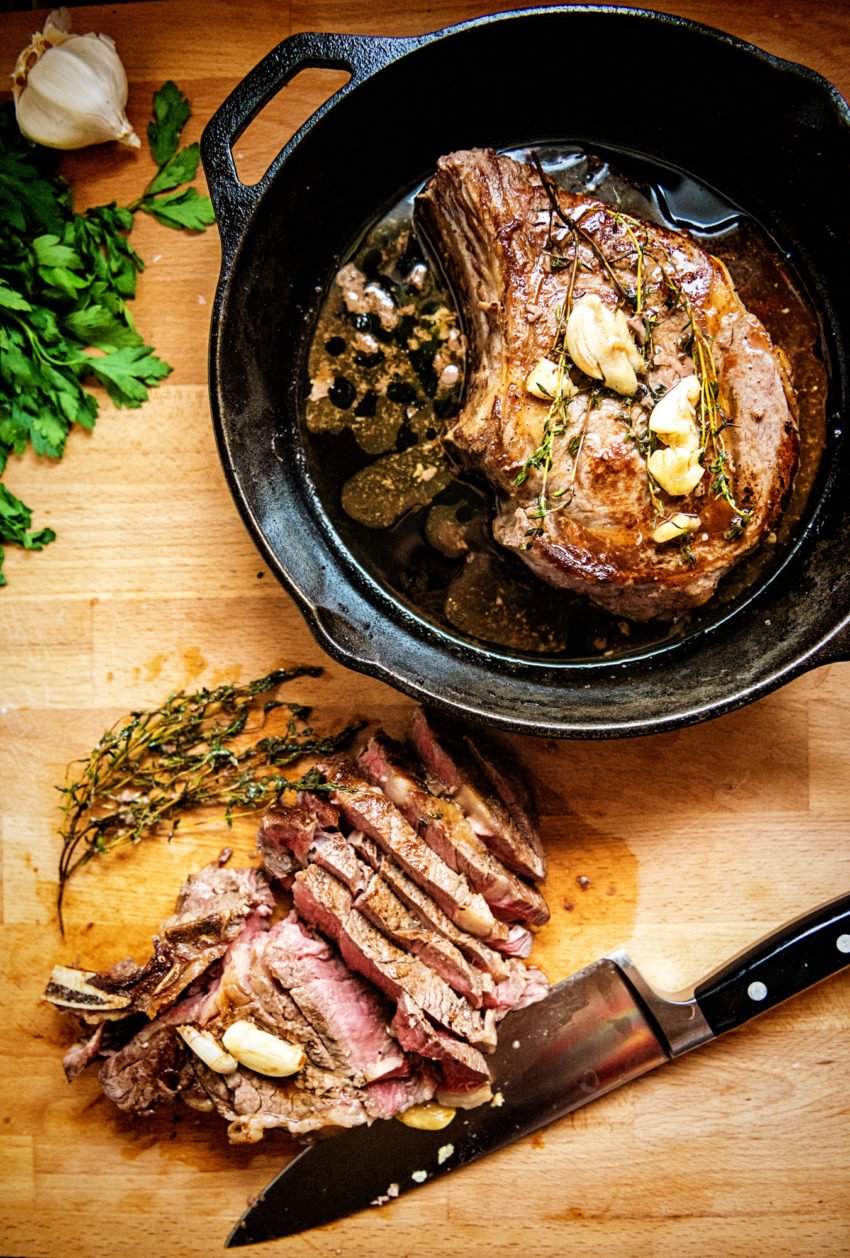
pixel 198 750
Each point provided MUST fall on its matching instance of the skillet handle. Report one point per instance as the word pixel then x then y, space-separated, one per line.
pixel 234 201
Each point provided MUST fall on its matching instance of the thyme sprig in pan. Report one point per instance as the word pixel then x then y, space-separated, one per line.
pixel 198 750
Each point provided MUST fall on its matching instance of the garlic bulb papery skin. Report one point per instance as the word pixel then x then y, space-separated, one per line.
pixel 71 90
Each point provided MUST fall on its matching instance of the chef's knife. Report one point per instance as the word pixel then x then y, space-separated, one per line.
pixel 593 1032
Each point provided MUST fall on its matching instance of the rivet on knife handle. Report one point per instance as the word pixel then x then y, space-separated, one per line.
pixel 786 962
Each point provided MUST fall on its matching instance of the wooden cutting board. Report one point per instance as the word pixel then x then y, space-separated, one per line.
pixel 683 846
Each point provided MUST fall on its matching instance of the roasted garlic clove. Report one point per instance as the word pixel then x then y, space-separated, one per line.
pixel 677 526
pixel 677 469
pixel 601 344
pixel 209 1050
pixel 427 1117
pixel 261 1051
pixel 673 419
pixel 678 472
pixel 547 380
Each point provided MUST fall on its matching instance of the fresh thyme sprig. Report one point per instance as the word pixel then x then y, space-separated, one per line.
pixel 197 750
pixel 554 425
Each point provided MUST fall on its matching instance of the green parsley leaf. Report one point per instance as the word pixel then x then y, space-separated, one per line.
pixel 128 372
pixel 187 208
pixel 181 168
pixel 171 112
pixel 12 300
pixel 15 526
pixel 101 327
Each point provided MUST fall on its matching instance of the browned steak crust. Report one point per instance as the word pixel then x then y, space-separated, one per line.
pixel 497 229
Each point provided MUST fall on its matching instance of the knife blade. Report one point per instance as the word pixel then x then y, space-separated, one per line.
pixel 593 1032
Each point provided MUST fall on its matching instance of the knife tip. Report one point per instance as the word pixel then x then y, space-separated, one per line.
pixel 239 1236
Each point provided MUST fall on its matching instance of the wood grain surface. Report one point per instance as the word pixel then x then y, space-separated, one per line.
pixel 683 846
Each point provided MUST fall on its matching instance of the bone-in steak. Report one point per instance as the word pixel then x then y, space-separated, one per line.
pixel 567 443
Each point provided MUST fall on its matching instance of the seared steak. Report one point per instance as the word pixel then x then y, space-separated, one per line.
pixel 206 921
pixel 580 320
pixel 285 980
pixel 430 914
pixel 327 904
pixel 367 808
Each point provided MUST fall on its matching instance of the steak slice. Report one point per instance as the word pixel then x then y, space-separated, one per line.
pixel 348 1013
pixel 473 783
pixel 287 831
pixel 569 466
pixel 311 1103
pixel 327 904
pixel 152 1069
pixel 366 808
pixel 466 1077
pixel 447 832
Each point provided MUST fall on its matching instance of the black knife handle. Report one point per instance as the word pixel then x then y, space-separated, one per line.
pixel 779 966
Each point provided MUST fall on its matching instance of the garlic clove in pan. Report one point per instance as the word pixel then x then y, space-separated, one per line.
pixel 70 90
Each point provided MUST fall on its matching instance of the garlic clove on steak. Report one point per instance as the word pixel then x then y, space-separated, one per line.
pixel 677 469
pixel 547 381
pixel 209 1050
pixel 601 344
pixel 673 419
pixel 677 526
pixel 678 472
pixel 261 1051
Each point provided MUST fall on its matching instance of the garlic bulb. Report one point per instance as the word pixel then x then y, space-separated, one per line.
pixel 70 90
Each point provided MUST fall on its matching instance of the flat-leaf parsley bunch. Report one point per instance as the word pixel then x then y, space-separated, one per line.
pixel 65 283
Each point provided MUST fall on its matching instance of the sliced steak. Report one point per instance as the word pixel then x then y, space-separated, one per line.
pixel 152 1069
pixel 347 1012
pixel 366 808
pixel 288 830
pixel 461 775
pixel 404 927
pixel 569 465
pixel 312 1103
pixel 447 832
pixel 212 908
pixel 483 956
pixel 465 1074
pixel 327 904
pixel 373 896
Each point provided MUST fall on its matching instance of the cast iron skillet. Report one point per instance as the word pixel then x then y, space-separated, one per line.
pixel 773 137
